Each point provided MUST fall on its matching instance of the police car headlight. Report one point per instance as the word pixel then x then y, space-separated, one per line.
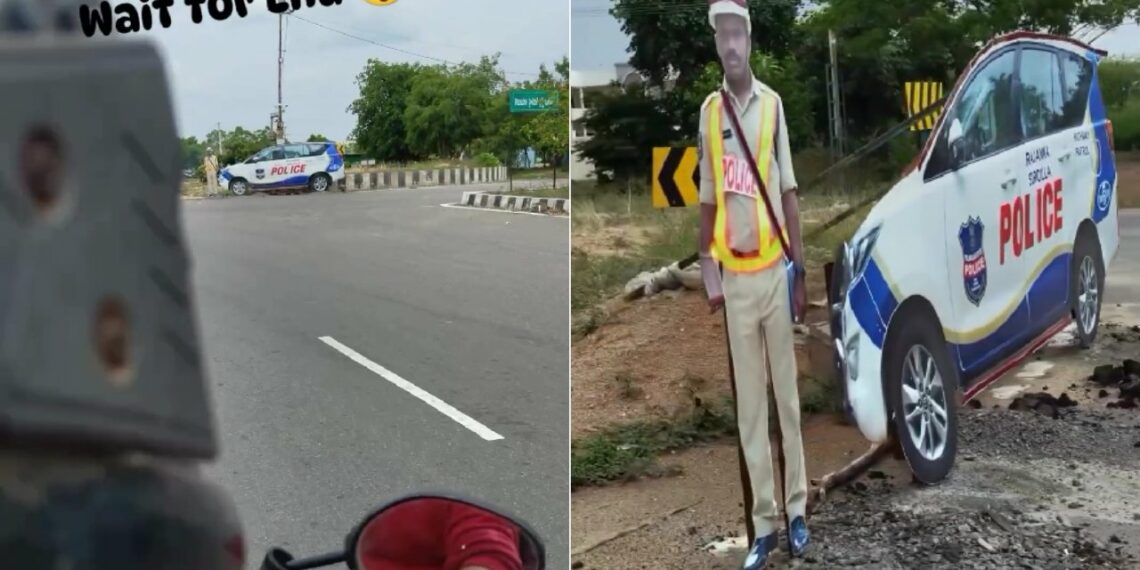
pixel 851 356
pixel 334 167
pixel 859 254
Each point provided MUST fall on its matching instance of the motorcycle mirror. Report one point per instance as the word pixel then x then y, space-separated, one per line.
pixel 426 531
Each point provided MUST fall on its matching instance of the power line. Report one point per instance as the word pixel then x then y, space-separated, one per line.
pixel 393 48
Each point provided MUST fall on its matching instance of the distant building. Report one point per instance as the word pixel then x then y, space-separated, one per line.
pixel 583 86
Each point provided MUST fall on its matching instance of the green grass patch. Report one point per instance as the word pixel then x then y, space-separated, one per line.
pixel 537 173
pixel 544 192
pixel 629 451
pixel 625 452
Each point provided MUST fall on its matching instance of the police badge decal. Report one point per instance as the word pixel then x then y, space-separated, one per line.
pixel 973 259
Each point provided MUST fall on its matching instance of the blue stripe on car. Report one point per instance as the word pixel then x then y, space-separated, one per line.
pixel 874 304
pixel 1106 171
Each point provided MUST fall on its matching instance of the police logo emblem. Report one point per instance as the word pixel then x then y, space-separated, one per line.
pixel 259 173
pixel 973 259
pixel 1103 193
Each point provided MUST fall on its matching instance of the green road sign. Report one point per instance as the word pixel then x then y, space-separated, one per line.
pixel 532 100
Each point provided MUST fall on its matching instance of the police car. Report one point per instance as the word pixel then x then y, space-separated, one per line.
pixel 995 239
pixel 316 166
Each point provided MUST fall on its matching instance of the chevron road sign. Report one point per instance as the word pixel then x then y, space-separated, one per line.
pixel 919 96
pixel 676 179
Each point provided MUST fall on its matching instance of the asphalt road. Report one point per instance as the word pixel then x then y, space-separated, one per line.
pixel 469 306
pixel 1123 273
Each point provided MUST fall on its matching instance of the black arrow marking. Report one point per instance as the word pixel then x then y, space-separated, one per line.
pixel 697 176
pixel 665 178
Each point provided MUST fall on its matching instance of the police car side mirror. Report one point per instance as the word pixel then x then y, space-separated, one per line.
pixel 955 140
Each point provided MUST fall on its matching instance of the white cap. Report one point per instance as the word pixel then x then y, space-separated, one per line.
pixel 737 7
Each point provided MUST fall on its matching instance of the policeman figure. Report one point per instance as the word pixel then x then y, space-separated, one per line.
pixel 210 166
pixel 742 262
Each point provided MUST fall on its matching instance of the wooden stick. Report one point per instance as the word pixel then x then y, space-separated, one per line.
pixel 845 474
pixel 625 532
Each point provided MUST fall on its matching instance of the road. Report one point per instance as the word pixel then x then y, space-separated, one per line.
pixel 469 306
pixel 1123 282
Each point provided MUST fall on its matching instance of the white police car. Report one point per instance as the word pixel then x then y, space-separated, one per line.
pixel 995 239
pixel 315 165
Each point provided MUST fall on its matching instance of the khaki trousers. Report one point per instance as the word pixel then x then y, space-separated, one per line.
pixel 211 182
pixel 760 334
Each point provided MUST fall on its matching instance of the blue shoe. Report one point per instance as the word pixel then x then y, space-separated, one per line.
pixel 798 536
pixel 758 555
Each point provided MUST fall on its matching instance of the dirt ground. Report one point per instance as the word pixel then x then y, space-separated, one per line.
pixel 1067 503
pixel 642 364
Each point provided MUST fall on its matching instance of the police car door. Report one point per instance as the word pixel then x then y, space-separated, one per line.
pixel 973 178
pixel 1050 186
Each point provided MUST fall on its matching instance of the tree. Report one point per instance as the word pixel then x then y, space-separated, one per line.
pixel 380 132
pixel 317 138
pixel 448 107
pixel 625 126
pixel 676 36
pixel 192 152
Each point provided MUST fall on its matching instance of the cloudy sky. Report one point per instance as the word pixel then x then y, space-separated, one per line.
pixel 598 42
pixel 226 72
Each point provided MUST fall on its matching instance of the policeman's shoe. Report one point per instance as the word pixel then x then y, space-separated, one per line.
pixel 758 555
pixel 798 536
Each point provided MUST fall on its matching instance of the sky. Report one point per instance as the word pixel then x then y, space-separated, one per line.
pixel 226 72
pixel 598 42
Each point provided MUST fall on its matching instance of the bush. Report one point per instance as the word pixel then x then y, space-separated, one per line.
pixel 1126 125
pixel 486 159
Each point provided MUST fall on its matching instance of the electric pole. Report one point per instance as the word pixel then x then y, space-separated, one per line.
pixel 280 68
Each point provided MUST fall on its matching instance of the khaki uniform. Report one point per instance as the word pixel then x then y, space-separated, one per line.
pixel 756 304
pixel 210 166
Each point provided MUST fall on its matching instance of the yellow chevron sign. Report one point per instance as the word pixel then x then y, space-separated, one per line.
pixel 675 177
pixel 919 95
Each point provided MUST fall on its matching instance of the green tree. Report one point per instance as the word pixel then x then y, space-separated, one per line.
pixel 317 138
pixel 384 87
pixel 676 36
pixel 449 107
pixel 626 127
pixel 192 152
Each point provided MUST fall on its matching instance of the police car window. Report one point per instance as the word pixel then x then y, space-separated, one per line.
pixel 1075 95
pixel 315 150
pixel 278 153
pixel 294 151
pixel 1040 75
pixel 985 109
pixel 262 155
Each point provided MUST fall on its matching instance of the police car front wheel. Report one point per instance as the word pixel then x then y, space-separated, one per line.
pixel 1087 285
pixel 239 187
pixel 320 182
pixel 922 388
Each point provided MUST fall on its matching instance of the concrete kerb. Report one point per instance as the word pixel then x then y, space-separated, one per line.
pixel 490 200
pixel 418 178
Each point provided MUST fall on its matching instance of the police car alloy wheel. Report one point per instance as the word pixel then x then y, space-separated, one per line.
pixel 239 187
pixel 319 182
pixel 1087 282
pixel 922 392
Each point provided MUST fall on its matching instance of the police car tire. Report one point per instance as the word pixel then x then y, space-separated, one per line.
pixel 233 185
pixel 920 329
pixel 1086 246
pixel 313 182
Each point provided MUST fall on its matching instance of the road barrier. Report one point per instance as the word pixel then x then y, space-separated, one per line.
pixel 514 203
pixel 411 178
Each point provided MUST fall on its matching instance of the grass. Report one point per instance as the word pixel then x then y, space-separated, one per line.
pixel 543 192
pixel 595 278
pixel 197 189
pixel 626 452
pixel 629 451
pixel 537 173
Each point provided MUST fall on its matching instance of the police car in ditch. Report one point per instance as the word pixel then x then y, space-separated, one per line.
pixel 995 239
pixel 314 165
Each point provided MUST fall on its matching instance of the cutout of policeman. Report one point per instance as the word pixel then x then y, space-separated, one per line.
pixel 742 265
pixel 210 166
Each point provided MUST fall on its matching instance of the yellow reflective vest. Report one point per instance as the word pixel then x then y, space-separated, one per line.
pixel 768 250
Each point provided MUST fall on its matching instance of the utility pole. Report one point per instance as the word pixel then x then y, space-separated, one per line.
pixel 280 67
pixel 219 131
pixel 836 105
